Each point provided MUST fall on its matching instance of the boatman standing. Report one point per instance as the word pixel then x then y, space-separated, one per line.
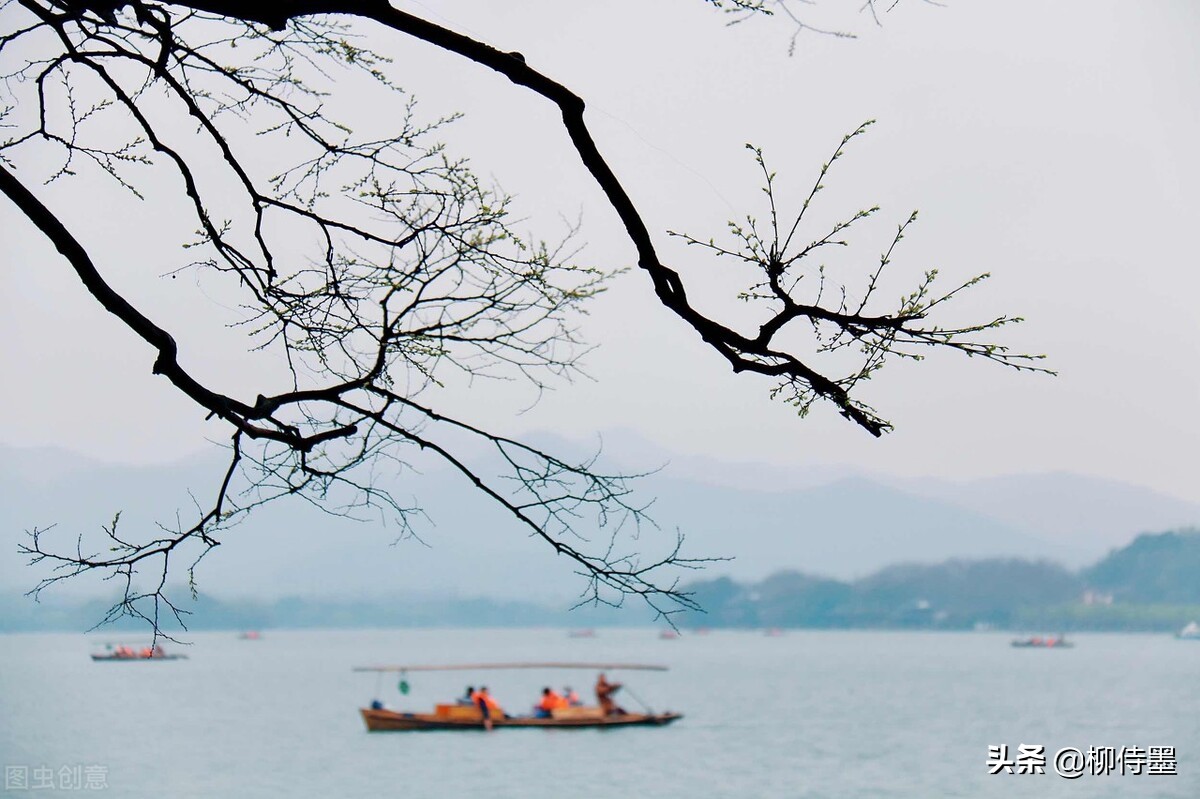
pixel 604 692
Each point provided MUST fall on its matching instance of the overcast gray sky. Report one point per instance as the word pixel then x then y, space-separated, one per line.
pixel 1052 144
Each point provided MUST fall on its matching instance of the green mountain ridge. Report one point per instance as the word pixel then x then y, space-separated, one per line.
pixel 1151 584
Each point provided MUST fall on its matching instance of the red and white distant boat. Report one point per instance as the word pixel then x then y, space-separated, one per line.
pixel 121 652
pixel 1043 642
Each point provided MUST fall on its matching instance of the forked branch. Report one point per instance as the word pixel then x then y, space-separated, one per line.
pixel 379 264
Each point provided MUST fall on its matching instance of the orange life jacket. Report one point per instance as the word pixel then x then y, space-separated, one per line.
pixel 551 700
pixel 485 698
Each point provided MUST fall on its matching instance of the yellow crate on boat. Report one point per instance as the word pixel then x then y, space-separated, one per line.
pixel 458 712
pixel 577 713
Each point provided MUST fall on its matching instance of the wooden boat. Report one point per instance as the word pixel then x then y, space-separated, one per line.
pixel 470 717
pixel 125 653
pixel 1037 642
pixel 465 717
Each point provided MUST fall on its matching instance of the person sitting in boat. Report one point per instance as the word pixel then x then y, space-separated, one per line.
pixel 571 697
pixel 468 697
pixel 146 652
pixel 550 702
pixel 604 692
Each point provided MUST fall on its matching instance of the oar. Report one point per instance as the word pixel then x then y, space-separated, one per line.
pixel 637 699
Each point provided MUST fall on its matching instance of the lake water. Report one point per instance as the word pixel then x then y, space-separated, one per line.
pixel 805 714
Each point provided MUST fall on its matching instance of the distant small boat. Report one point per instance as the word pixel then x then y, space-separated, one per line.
pixel 1189 633
pixel 668 635
pixel 772 632
pixel 1039 642
pixel 123 653
pixel 250 635
pixel 589 633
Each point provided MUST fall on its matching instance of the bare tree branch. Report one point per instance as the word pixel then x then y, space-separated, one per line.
pixel 377 264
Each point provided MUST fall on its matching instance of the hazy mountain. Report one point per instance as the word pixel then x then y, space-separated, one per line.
pixel 1080 518
pixel 284 548
pixel 1088 516
pixel 841 528
pixel 844 529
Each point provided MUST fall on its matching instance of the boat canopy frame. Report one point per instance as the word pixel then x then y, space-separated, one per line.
pixel 500 666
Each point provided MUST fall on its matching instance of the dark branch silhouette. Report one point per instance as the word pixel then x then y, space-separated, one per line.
pixel 377 264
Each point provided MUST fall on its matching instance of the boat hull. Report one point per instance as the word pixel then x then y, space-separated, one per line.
pixel 394 721
pixel 127 658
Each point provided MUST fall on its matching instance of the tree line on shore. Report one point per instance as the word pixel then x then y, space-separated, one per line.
pixel 1151 584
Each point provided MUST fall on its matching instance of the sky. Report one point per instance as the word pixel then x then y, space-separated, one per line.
pixel 1049 144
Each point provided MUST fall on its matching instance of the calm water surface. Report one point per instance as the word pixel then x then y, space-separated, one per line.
pixel 806 714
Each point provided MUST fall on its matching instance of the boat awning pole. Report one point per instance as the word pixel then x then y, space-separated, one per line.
pixel 498 666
